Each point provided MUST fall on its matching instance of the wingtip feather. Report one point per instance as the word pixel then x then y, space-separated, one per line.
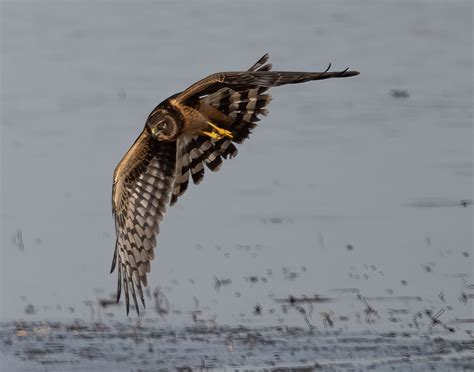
pixel 352 73
pixel 114 261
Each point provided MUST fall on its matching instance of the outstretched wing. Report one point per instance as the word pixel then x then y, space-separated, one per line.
pixel 242 108
pixel 254 79
pixel 240 99
pixel 142 186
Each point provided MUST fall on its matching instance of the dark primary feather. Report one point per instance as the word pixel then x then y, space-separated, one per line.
pixel 261 64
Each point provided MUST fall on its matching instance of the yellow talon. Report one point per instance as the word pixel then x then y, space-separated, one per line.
pixel 218 133
pixel 212 135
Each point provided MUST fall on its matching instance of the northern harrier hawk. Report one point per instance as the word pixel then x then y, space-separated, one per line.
pixel 192 129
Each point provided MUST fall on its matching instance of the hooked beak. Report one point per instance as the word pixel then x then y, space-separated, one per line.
pixel 154 131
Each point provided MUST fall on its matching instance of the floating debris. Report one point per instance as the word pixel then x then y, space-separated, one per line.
pixel 252 279
pixel 220 282
pixel 303 312
pixel 436 203
pixel 427 268
pixel 106 302
pixel 399 93
pixel 327 320
pixel 291 275
pixel 30 309
pixel 17 240
pixel 435 319
pixel 276 220
pixel 257 310
pixel 464 297
pixel 292 300
pixel 466 202
pixel 370 312
pixel 395 298
pixel 162 305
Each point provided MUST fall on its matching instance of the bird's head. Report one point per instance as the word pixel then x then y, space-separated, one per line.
pixel 162 125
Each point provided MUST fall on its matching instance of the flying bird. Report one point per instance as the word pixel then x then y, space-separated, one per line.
pixel 185 133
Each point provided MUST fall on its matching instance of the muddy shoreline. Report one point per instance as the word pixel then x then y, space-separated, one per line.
pixel 90 346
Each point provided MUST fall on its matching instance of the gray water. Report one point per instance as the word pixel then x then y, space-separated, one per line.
pixel 340 237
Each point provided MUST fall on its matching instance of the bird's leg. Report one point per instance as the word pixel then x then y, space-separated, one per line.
pixel 217 132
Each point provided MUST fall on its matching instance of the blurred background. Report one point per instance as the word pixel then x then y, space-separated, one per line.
pixel 348 210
